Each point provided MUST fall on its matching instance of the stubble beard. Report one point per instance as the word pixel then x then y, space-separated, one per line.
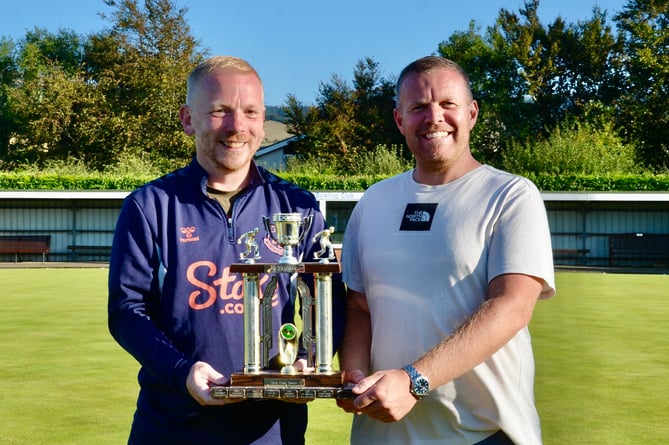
pixel 224 159
pixel 437 158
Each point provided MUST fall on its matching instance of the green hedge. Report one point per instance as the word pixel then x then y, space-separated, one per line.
pixel 617 183
pixel 29 181
pixel 26 181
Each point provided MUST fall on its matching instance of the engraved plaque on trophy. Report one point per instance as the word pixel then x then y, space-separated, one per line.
pixel 255 380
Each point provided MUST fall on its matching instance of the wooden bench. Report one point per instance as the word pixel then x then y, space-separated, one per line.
pixel 25 244
pixel 647 248
pixel 570 254
pixel 89 250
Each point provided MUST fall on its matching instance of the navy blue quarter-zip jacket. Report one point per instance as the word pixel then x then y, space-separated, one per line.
pixel 173 301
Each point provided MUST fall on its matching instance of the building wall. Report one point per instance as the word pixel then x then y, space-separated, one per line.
pixel 71 218
pixel 587 221
pixel 582 221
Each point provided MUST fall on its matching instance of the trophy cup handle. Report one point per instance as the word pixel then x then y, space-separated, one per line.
pixel 267 223
pixel 306 223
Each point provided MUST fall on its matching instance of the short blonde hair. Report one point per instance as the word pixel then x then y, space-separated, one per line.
pixel 217 63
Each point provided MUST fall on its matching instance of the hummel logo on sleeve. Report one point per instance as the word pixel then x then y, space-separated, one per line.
pixel 188 232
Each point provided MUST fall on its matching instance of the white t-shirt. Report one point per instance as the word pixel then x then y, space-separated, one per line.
pixel 423 256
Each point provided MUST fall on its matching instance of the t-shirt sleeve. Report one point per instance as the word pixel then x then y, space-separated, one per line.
pixel 521 240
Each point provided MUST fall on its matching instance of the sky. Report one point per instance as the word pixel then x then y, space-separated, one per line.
pixel 296 45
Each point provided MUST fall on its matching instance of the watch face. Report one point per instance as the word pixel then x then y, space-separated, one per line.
pixel 421 387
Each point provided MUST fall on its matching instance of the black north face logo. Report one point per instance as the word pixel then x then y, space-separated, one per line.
pixel 418 217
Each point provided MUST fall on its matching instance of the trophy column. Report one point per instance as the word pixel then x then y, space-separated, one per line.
pixel 324 323
pixel 252 364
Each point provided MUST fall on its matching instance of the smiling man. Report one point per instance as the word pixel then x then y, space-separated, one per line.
pixel 173 302
pixel 225 112
pixel 444 265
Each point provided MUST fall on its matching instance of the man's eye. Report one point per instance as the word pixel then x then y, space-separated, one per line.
pixel 218 113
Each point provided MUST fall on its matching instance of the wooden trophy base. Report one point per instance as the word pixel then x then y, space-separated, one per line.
pixel 274 385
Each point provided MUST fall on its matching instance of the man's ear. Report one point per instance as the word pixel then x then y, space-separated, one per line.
pixel 398 120
pixel 473 113
pixel 186 121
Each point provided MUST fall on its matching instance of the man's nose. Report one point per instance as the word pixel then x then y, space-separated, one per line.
pixel 235 121
pixel 435 113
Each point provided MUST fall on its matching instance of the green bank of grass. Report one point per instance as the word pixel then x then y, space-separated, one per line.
pixel 600 345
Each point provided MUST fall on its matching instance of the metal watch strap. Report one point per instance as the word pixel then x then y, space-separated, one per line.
pixel 420 386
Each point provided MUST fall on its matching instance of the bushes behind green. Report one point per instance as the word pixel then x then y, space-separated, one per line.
pixel 574 148
pixel 32 181
pixel 601 183
pixel 566 182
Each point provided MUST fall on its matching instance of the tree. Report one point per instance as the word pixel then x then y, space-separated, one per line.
pixel 645 28
pixel 42 96
pixel 563 67
pixel 347 120
pixel 41 48
pixel 141 64
pixel 528 77
pixel 8 75
pixel 496 85
pixel 374 98
pixel 111 97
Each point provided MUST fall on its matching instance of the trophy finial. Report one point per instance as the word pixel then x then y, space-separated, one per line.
pixel 288 347
pixel 326 245
pixel 251 253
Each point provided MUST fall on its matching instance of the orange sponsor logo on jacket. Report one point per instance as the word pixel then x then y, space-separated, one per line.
pixel 226 286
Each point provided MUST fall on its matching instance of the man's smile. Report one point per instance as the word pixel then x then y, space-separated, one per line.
pixel 437 135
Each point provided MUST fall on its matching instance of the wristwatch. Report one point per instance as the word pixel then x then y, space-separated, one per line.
pixel 420 385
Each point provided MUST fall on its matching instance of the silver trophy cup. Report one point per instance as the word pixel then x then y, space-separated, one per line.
pixel 287 232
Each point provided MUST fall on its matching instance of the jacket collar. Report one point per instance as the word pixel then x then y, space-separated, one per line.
pixel 200 175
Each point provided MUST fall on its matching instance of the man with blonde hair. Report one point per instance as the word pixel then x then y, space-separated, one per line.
pixel 173 303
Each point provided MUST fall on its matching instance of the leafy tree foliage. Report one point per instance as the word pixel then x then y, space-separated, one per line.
pixel 645 102
pixel 346 121
pixel 528 77
pixel 110 100
pixel 141 64
pixel 497 87
pixel 8 75
pixel 41 48
pixel 42 97
pixel 113 96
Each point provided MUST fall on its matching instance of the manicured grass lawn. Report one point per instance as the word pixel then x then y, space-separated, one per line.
pixel 602 352
pixel 63 380
pixel 601 349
